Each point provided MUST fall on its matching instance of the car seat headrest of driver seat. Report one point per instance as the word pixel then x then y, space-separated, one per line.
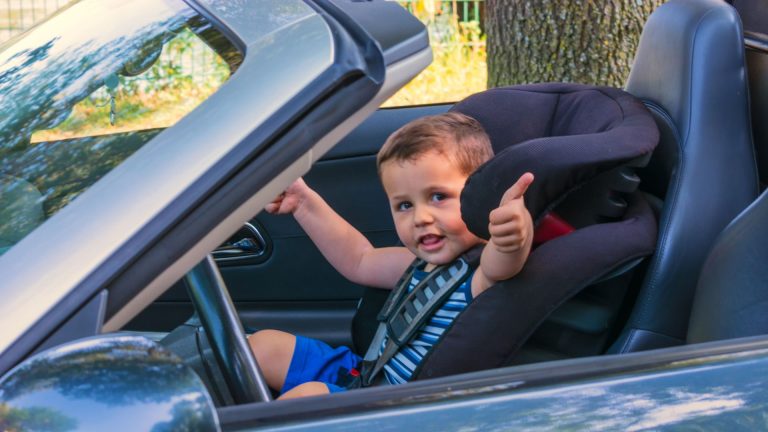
pixel 570 137
pixel 565 134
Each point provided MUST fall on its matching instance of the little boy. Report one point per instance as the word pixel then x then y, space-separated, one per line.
pixel 423 167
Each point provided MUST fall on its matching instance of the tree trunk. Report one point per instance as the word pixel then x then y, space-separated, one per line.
pixel 583 41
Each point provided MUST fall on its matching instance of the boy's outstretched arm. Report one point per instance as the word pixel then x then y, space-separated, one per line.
pixel 348 251
pixel 511 230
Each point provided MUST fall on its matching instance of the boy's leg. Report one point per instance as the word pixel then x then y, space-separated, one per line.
pixel 289 361
pixel 312 388
pixel 273 350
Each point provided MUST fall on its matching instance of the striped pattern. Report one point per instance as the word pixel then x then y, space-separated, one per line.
pixel 399 368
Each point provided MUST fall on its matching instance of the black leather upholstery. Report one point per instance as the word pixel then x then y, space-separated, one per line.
pixel 690 71
pixel 732 295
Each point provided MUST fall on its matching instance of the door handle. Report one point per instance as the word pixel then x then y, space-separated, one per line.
pixel 248 245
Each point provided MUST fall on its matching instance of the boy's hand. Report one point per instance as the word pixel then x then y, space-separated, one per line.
pixel 510 224
pixel 288 201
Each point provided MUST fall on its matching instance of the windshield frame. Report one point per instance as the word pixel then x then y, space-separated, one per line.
pixel 175 162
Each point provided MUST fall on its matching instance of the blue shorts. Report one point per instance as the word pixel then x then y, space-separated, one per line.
pixel 316 361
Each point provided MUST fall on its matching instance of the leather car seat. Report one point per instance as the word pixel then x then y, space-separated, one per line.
pixel 731 296
pixel 690 72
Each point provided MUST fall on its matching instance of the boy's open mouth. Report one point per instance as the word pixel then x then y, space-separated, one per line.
pixel 431 241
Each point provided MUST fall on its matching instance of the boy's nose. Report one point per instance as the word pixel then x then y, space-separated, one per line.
pixel 422 216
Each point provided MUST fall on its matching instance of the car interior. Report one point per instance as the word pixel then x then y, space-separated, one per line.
pixel 706 97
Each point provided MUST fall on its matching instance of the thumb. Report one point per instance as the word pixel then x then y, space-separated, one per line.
pixel 518 189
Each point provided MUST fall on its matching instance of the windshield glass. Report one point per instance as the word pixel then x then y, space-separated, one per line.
pixel 76 100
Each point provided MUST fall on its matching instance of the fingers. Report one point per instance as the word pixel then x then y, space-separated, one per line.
pixel 510 224
pixel 510 236
pixel 288 201
pixel 509 212
pixel 274 206
pixel 518 189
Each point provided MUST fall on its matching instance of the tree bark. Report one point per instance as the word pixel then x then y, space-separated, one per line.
pixel 584 41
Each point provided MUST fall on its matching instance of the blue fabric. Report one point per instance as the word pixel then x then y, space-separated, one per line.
pixel 399 369
pixel 333 388
pixel 314 360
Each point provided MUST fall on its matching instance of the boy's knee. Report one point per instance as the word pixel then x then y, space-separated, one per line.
pixel 263 338
pixel 268 343
pixel 273 350
pixel 313 388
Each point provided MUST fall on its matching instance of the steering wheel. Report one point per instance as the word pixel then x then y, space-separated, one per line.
pixel 225 334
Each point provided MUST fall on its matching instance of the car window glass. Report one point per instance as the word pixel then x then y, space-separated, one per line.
pixel 154 89
pixel 74 106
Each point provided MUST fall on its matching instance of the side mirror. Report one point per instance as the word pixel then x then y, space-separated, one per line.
pixel 130 380
pixel 143 59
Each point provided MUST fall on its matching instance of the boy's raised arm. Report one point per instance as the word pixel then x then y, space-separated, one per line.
pixel 511 232
pixel 348 251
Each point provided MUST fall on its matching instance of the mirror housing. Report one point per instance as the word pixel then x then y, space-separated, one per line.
pixel 125 382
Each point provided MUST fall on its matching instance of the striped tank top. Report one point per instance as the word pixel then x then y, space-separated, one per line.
pixel 400 367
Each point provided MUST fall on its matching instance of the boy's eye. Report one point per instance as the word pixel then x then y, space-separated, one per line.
pixel 405 205
pixel 437 196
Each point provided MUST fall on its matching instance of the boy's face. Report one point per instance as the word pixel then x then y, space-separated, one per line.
pixel 424 200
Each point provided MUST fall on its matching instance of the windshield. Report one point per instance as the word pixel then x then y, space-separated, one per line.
pixel 76 100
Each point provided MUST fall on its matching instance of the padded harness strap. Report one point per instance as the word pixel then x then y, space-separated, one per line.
pixel 405 312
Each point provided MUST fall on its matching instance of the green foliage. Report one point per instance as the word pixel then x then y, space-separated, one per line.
pixel 186 73
pixel 459 65
pixel 34 419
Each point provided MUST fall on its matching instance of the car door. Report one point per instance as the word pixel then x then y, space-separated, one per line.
pixel 272 115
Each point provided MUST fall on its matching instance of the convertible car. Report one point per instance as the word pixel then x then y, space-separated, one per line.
pixel 135 259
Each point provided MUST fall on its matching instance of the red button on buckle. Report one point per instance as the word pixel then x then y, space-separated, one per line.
pixel 550 227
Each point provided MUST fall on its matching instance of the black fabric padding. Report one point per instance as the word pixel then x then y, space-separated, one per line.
pixel 565 134
pixel 495 324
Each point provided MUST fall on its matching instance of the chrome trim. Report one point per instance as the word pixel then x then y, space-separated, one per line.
pixel 756 41
pixel 221 255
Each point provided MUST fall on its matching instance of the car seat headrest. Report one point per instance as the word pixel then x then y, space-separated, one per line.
pixel 565 134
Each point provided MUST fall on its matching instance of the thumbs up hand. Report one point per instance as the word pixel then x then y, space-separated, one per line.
pixel 510 224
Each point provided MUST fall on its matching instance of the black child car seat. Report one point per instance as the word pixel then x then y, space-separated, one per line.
pixel 581 143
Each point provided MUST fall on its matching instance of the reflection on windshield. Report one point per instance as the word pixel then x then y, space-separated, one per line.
pixel 154 89
pixel 263 16
pixel 76 100
pixel 61 62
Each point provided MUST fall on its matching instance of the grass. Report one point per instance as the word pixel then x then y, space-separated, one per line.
pixel 134 111
pixel 459 65
pixel 158 98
